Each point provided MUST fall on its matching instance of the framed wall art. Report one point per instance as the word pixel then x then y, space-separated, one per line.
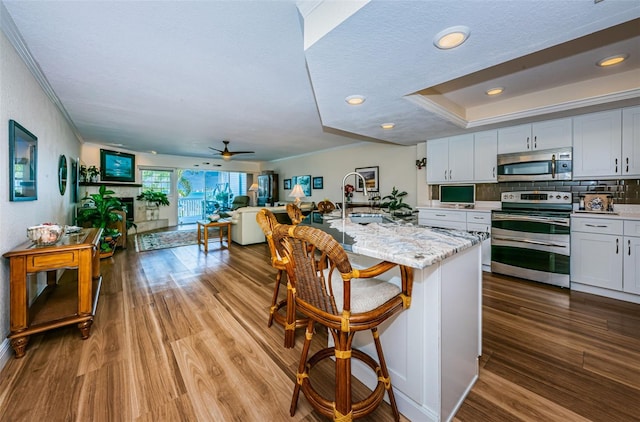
pixel 287 183
pixel 370 175
pixel 23 160
pixel 305 183
pixel 318 182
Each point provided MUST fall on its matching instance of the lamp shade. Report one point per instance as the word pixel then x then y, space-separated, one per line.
pixel 297 193
pixel 253 188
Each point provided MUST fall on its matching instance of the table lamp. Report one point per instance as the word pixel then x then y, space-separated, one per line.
pixel 254 189
pixel 297 193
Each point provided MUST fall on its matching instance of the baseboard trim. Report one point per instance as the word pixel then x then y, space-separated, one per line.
pixel 5 352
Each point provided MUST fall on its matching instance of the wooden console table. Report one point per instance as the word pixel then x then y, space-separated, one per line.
pixel 205 225
pixel 72 300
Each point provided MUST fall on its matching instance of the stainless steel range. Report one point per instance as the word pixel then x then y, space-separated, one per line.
pixel 530 236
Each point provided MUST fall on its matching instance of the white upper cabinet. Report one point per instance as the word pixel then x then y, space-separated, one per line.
pixel 485 148
pixel 597 145
pixel 530 137
pixel 450 160
pixel 631 141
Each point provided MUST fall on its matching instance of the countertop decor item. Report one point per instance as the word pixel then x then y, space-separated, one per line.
pixel 597 202
pixel 46 234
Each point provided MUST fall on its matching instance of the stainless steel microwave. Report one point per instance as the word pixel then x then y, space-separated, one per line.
pixel 548 164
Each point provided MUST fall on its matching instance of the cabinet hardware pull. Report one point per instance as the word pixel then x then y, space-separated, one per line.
pixel 535 142
pixel 627 164
pixel 445 175
pixel 629 247
pixel 617 246
pixel 449 174
pixel 527 142
pixel 441 215
pixel 477 218
pixel 616 165
pixel 596 225
pixel 494 171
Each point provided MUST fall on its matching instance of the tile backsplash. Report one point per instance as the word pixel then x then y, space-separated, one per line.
pixel 623 191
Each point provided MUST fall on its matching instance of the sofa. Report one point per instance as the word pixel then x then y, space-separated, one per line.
pixel 245 229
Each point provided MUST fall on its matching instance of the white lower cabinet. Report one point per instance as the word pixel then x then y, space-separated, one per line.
pixel 605 254
pixel 631 270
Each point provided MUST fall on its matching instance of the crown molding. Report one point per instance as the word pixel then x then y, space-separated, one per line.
pixel 12 33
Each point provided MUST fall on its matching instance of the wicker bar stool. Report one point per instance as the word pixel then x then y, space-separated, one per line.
pixel 267 221
pixel 295 213
pixel 329 291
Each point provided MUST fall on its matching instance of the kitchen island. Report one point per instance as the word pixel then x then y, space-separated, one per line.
pixel 432 348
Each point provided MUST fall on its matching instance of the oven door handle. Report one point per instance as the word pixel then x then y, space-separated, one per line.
pixel 529 218
pixel 530 241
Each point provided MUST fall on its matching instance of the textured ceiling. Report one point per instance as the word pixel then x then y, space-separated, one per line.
pixel 178 77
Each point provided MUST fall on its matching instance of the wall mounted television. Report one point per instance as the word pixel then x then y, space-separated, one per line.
pixel 460 196
pixel 117 166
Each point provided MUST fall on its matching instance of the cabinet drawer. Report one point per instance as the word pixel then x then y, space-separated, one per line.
pixel 482 217
pixel 632 227
pixel 479 227
pixel 597 225
pixel 446 224
pixel 447 215
pixel 45 262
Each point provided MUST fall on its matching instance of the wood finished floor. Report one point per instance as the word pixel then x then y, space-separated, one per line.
pixel 181 335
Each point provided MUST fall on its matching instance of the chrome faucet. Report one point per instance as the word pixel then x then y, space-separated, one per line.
pixel 344 179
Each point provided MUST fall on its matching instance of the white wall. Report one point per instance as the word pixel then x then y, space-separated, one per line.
pixel 396 168
pixel 22 100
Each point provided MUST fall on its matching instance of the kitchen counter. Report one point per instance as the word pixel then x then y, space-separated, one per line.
pixel 400 242
pixel 432 348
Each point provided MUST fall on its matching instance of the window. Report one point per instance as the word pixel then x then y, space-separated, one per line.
pixel 156 180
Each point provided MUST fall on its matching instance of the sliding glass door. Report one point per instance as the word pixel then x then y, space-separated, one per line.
pixel 204 192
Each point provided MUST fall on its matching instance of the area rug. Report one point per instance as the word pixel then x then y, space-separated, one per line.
pixel 162 240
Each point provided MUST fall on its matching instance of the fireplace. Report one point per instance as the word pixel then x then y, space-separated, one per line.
pixel 128 203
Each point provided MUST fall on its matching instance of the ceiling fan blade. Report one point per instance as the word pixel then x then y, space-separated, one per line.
pixel 216 149
pixel 241 152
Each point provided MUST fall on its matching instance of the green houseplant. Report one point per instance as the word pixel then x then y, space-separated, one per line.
pixel 153 198
pixel 99 212
pixel 394 202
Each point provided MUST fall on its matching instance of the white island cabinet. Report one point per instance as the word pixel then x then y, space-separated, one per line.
pixel 432 348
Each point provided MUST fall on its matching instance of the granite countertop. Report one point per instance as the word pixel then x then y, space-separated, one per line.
pixel 399 242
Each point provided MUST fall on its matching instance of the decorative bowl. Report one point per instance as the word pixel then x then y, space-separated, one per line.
pixel 214 217
pixel 45 234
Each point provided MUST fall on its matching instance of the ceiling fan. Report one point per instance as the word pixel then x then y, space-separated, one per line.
pixel 226 154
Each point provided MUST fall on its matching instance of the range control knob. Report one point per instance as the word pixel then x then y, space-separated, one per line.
pixel 565 197
pixel 557 196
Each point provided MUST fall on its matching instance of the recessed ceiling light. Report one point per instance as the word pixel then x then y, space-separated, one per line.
pixel 610 61
pixel 388 125
pixel 153 152
pixel 354 99
pixel 451 37
pixel 495 91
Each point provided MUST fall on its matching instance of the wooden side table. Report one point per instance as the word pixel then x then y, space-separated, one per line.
pixel 205 225
pixel 72 301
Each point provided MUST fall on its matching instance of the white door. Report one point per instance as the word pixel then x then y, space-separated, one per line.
pixel 438 160
pixel 552 134
pixel 597 144
pixel 485 147
pixel 631 271
pixel 461 158
pixel 631 141
pixel 514 139
pixel 596 260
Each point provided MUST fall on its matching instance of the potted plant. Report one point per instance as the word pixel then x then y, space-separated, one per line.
pixel 394 202
pixel 154 199
pixel 99 212
pixel 92 173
